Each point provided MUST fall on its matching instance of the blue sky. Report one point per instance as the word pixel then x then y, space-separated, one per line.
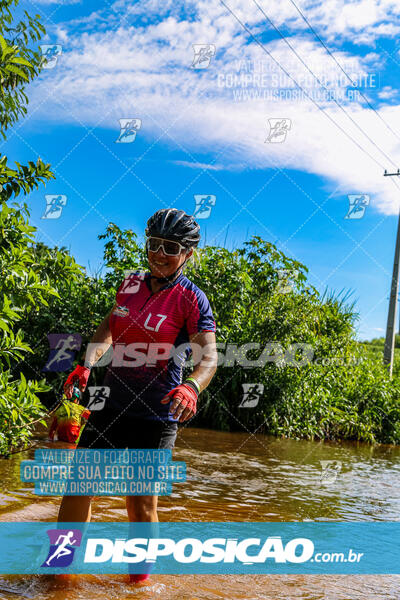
pixel 204 131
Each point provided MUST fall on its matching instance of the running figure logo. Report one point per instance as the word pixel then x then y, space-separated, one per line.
pixel 329 471
pixel 54 205
pixel 132 281
pixel 357 205
pixel 98 397
pixel 62 351
pixel 278 129
pixel 129 128
pixel 50 54
pixel 251 394
pixel 204 203
pixel 203 54
pixel 63 543
pixel 17 38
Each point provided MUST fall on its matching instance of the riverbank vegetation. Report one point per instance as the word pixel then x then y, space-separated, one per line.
pixel 313 379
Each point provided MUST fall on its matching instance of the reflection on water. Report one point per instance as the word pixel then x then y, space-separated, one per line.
pixel 235 477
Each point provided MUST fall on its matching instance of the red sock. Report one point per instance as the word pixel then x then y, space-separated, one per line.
pixel 135 578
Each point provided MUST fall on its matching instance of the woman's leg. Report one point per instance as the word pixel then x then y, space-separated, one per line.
pixel 75 509
pixel 141 509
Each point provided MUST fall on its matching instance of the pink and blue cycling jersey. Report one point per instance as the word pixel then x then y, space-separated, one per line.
pixel 150 338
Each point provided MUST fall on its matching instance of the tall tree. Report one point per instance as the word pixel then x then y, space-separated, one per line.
pixel 24 283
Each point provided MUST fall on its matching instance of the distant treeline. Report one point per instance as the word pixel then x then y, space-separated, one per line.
pixel 381 341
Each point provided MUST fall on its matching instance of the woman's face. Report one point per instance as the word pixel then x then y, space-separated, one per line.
pixel 163 265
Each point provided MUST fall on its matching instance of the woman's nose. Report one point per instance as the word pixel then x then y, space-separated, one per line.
pixel 160 252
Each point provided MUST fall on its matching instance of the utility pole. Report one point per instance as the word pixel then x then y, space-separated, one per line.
pixel 388 351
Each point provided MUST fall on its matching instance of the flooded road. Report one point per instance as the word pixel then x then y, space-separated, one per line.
pixel 235 477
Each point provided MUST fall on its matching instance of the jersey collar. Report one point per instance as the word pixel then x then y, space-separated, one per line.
pixel 166 286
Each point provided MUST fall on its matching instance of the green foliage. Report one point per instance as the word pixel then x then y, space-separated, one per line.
pixel 23 284
pixel 81 303
pixel 19 407
pixel 19 64
pixel 43 290
pixel 121 252
pixel 21 288
pixel 34 277
pixel 82 300
pixel 380 342
pixel 343 393
pixel 23 179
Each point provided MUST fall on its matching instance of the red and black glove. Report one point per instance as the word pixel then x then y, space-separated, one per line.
pixel 184 402
pixel 79 375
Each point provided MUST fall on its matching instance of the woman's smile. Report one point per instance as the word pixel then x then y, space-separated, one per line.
pixel 163 265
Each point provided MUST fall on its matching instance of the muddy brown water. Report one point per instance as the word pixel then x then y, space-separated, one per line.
pixel 233 477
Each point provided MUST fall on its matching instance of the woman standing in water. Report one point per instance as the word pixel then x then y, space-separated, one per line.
pixel 147 402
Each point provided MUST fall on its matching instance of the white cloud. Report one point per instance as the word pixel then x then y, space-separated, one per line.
pixel 358 21
pixel 387 93
pixel 144 71
pixel 62 35
pixel 199 165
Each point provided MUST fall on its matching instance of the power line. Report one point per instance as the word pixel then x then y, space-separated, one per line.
pixel 299 86
pixel 342 69
pixel 321 84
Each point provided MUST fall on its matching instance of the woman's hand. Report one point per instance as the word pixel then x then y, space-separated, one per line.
pixel 79 374
pixel 184 402
pixel 98 345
